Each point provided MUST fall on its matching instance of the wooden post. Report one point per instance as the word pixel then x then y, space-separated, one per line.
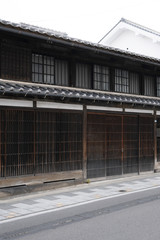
pixel 5 151
pixel 155 141
pixel 84 142
pixel 0 142
pixel 139 145
pixel 122 144
pixel 34 144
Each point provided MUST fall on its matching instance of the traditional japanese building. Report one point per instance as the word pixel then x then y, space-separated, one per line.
pixel 72 110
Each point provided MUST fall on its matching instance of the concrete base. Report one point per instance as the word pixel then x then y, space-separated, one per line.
pixel 35 187
pixel 25 184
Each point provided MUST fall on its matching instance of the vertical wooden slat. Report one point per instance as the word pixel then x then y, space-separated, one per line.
pixel 0 144
pixel 105 150
pixel 155 140
pixel 146 141
pixel 5 149
pixel 19 129
pixel 53 149
pixel 139 145
pixel 34 144
pixel 84 142
pixel 122 144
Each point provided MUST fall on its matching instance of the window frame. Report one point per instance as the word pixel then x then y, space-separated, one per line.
pixel 122 87
pixel 158 86
pixel 49 70
pixel 83 70
pixel 101 77
pixel 132 87
pixel 152 82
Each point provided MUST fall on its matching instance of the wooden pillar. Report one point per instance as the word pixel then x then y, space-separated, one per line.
pixel 122 144
pixel 139 145
pixel 155 141
pixel 84 142
pixel 0 143
pixel 5 149
pixel 34 143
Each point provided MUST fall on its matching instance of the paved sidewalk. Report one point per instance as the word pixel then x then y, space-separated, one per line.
pixel 55 199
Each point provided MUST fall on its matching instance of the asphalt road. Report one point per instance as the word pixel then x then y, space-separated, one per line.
pixel 128 217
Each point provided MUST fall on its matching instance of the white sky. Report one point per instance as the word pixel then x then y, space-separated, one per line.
pixel 85 19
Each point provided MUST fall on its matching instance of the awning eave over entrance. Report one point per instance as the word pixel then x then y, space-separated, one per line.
pixel 25 89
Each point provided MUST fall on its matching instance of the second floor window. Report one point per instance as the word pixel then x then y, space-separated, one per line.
pixel 101 77
pixel 127 82
pixel 121 81
pixel 149 86
pixel 47 69
pixel 83 75
pixel 134 83
pixel 15 62
pixel 158 86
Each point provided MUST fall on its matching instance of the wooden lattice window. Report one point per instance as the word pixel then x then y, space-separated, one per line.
pixel 48 70
pixel 121 81
pixel 149 86
pixel 15 62
pixel 158 86
pixel 101 77
pixel 134 83
pixel 83 75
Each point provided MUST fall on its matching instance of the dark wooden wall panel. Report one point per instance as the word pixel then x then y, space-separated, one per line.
pixel 130 144
pixel 146 143
pixel 114 144
pixel 39 142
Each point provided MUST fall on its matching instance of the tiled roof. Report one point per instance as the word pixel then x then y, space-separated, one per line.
pixel 140 26
pixel 38 31
pixel 33 28
pixel 23 89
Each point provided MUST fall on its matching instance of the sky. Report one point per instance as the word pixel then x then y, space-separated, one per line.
pixel 84 19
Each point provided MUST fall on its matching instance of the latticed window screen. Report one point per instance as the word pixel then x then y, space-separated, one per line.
pixel 158 140
pixel 146 143
pixel 58 142
pixel 48 66
pixel 101 77
pixel 121 81
pixel 47 69
pixel 149 86
pixel 61 72
pixel 158 86
pixel 39 142
pixel 15 62
pixel 119 144
pixel 134 86
pixel 83 75
pixel 37 68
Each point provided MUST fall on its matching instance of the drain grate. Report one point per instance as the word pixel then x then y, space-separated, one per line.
pixel 122 190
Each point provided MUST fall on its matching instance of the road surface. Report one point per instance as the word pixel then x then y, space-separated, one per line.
pixel 125 216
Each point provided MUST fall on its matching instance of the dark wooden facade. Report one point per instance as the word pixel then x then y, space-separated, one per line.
pixel 70 109
pixel 119 144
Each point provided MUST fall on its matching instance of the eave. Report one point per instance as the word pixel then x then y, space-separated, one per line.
pixel 50 36
pixel 43 91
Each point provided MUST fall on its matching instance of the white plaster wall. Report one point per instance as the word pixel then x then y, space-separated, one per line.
pixel 133 42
